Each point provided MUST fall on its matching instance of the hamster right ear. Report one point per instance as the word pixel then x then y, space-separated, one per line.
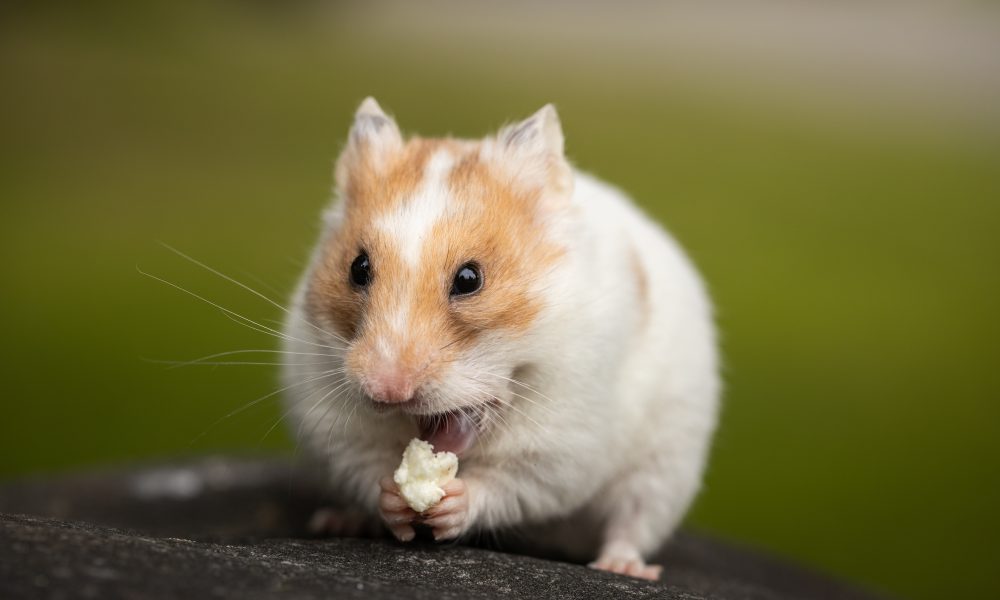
pixel 533 150
pixel 374 137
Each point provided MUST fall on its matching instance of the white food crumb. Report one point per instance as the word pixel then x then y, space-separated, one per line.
pixel 422 473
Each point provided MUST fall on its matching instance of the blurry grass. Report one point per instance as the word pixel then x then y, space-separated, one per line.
pixel 854 267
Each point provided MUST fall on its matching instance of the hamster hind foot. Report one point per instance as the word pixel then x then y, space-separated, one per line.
pixel 623 558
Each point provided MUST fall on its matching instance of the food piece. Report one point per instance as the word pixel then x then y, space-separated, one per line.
pixel 422 473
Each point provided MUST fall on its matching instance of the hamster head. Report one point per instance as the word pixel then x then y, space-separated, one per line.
pixel 434 267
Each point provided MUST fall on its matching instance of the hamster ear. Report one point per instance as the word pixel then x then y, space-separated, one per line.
pixel 533 150
pixel 373 127
pixel 374 137
pixel 538 135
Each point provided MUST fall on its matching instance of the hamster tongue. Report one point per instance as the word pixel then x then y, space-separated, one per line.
pixel 451 432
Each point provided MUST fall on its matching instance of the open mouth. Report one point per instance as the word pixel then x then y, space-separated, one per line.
pixel 452 431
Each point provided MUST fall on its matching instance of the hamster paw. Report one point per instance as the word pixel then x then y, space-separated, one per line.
pixel 396 514
pixel 633 566
pixel 449 518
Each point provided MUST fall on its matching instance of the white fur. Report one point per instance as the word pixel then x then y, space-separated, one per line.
pixel 408 227
pixel 608 442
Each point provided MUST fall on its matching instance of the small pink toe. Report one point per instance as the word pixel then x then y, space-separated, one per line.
pixel 643 571
pixel 630 567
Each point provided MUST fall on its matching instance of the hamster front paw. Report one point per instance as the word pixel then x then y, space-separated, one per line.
pixel 396 514
pixel 449 518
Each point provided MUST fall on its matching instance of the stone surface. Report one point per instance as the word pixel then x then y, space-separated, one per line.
pixel 235 528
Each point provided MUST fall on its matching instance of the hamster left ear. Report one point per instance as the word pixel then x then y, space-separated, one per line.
pixel 374 138
pixel 534 148
pixel 373 127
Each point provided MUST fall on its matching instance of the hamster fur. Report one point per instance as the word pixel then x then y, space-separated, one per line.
pixel 579 385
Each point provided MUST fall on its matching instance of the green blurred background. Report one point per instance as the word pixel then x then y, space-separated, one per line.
pixel 834 171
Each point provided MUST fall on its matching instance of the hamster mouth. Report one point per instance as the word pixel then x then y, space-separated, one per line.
pixel 452 431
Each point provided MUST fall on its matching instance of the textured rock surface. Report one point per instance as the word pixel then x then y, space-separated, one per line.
pixel 226 528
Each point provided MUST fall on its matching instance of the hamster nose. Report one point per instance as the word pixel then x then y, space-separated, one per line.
pixel 390 386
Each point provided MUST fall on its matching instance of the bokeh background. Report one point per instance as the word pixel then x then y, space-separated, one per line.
pixel 833 168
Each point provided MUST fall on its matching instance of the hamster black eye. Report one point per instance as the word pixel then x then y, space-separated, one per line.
pixel 468 280
pixel 361 271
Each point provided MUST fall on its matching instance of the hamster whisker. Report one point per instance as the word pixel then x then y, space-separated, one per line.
pixel 500 422
pixel 336 337
pixel 285 414
pixel 500 416
pixel 175 364
pixel 478 416
pixel 275 333
pixel 275 292
pixel 520 383
pixel 546 408
pixel 230 313
pixel 289 411
pixel 198 360
pixel 253 403
pixel 350 415
pixel 487 416
pixel 234 281
pixel 333 426
pixel 322 417
pixel 515 408
pixel 340 387
pixel 485 410
pixel 529 400
pixel 341 397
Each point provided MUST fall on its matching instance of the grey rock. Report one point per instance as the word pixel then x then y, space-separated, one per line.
pixel 235 528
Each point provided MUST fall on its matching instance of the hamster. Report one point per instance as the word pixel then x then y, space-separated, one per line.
pixel 487 297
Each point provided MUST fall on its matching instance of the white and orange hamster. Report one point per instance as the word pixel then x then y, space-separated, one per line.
pixel 487 297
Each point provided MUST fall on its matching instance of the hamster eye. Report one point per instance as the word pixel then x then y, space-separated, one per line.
pixel 468 280
pixel 361 270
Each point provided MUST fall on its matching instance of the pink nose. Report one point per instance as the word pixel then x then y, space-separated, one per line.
pixel 390 386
